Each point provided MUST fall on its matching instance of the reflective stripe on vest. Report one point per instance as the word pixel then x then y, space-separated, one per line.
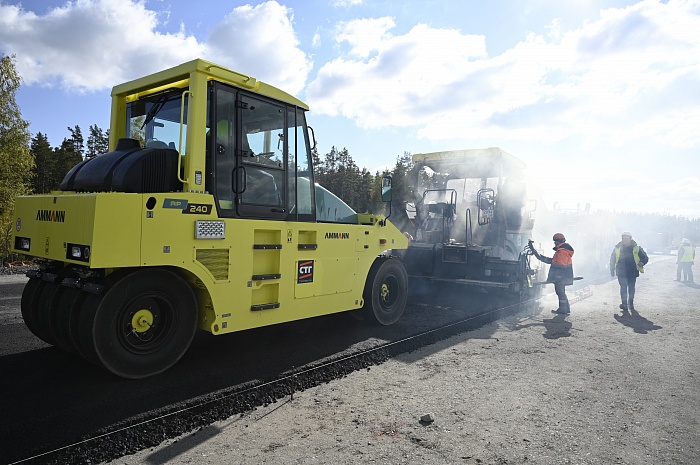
pixel 635 255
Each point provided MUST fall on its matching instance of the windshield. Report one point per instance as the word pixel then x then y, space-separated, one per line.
pixel 155 120
pixel 329 207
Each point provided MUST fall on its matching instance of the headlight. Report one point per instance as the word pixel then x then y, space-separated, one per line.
pixel 78 252
pixel 22 243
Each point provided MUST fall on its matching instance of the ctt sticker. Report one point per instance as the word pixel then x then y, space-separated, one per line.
pixel 306 272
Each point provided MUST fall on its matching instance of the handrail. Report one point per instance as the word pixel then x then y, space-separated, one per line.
pixel 179 147
pixel 468 225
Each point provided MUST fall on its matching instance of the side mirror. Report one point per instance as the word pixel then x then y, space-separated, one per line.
pixel 386 189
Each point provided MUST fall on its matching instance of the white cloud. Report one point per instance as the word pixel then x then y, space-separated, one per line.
pixel 365 35
pixel 631 73
pixel 90 45
pixel 346 3
pixel 395 80
pixel 261 41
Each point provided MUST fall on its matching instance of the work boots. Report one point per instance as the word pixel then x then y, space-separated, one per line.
pixel 564 309
pixel 623 306
pixel 631 304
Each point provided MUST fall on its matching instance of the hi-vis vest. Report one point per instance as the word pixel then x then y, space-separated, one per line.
pixel 688 254
pixel 635 254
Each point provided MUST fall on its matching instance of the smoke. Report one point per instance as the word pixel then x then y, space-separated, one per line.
pixel 593 235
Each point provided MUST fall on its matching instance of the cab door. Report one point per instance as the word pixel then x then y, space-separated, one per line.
pixel 260 179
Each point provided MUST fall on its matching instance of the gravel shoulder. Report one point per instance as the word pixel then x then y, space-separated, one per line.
pixel 594 387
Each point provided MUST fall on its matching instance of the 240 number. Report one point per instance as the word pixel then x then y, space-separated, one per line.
pixel 198 208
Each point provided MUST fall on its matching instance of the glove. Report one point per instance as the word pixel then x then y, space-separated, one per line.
pixel 534 252
pixel 612 272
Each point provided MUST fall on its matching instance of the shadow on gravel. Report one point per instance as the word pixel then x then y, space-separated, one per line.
pixel 557 327
pixel 637 322
pixel 191 441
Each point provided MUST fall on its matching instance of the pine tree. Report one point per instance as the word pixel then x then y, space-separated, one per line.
pixel 77 141
pixel 65 157
pixel 339 173
pixel 44 163
pixel 97 142
pixel 16 161
pixel 365 203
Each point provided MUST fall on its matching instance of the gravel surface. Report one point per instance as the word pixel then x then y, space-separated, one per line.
pixel 16 270
pixel 596 387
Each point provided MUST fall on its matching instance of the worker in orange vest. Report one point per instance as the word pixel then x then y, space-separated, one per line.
pixel 561 270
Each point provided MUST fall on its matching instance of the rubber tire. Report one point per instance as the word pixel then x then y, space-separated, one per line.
pixel 84 339
pixel 169 297
pixel 385 275
pixel 82 317
pixel 67 311
pixel 46 311
pixel 30 306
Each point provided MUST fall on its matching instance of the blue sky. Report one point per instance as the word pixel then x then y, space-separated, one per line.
pixel 599 98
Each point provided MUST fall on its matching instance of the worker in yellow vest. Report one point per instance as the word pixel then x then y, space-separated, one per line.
pixel 686 256
pixel 627 261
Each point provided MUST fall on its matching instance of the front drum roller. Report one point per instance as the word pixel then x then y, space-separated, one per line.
pixel 385 291
pixel 143 324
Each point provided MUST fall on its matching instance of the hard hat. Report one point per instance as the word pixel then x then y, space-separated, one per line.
pixel 558 237
pixel 627 233
pixel 685 241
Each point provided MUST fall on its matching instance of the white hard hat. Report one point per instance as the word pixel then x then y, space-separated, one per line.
pixel 627 233
pixel 685 241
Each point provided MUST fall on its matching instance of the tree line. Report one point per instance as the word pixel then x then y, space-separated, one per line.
pixel 52 163
pixel 360 189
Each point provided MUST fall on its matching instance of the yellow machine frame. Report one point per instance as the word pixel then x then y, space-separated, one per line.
pixel 258 272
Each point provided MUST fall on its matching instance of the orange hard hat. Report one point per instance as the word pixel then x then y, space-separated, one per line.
pixel 558 237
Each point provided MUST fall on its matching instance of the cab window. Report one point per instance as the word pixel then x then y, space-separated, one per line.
pixel 261 176
pixel 155 120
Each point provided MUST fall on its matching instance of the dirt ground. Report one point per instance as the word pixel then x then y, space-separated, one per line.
pixel 595 387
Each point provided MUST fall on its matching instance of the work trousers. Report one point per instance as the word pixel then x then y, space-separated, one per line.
pixel 686 268
pixel 560 290
pixel 627 289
